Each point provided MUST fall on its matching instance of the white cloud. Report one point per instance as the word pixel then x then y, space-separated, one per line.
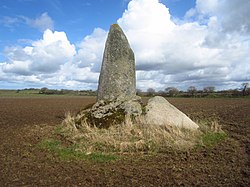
pixel 17 67
pixel 45 55
pixel 91 49
pixel 40 61
pixel 52 51
pixel 232 15
pixel 209 7
pixel 42 23
pixel 146 23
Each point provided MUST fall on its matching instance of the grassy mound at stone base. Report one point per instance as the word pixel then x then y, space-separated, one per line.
pixel 131 137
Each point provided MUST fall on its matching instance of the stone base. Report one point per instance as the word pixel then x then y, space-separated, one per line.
pixel 158 111
pixel 104 114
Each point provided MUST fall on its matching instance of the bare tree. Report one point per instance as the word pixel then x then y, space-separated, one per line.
pixel 209 89
pixel 244 89
pixel 172 91
pixel 192 90
pixel 150 92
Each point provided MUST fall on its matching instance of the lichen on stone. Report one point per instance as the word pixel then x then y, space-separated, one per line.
pixel 115 118
pixel 117 76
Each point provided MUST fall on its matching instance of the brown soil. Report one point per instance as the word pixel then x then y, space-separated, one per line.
pixel 24 122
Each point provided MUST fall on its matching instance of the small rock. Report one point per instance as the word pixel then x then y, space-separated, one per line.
pixel 160 112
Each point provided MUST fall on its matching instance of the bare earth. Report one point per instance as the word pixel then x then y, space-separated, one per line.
pixel 24 122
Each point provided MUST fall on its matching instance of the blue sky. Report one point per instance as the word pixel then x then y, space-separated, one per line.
pixel 180 43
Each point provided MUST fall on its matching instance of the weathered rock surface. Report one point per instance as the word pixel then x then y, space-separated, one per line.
pixel 160 112
pixel 117 77
pixel 104 114
pixel 105 108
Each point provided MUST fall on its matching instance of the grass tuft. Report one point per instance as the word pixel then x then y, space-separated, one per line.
pixel 212 133
pixel 211 139
pixel 71 152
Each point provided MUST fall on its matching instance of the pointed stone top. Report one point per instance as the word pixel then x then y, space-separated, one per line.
pixel 115 25
pixel 117 77
pixel 116 34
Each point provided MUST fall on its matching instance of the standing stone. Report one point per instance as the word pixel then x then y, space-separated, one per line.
pixel 117 77
pixel 117 100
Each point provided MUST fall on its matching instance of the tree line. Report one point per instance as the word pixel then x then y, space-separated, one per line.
pixel 47 91
pixel 192 91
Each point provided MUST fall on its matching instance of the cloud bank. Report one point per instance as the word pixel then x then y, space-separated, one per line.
pixel 209 47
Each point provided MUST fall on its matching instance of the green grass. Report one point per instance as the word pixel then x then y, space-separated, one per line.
pixel 33 93
pixel 69 153
pixel 212 138
pixel 22 93
pixel 58 130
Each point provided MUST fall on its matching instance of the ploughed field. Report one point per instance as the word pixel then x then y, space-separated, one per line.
pixel 24 122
